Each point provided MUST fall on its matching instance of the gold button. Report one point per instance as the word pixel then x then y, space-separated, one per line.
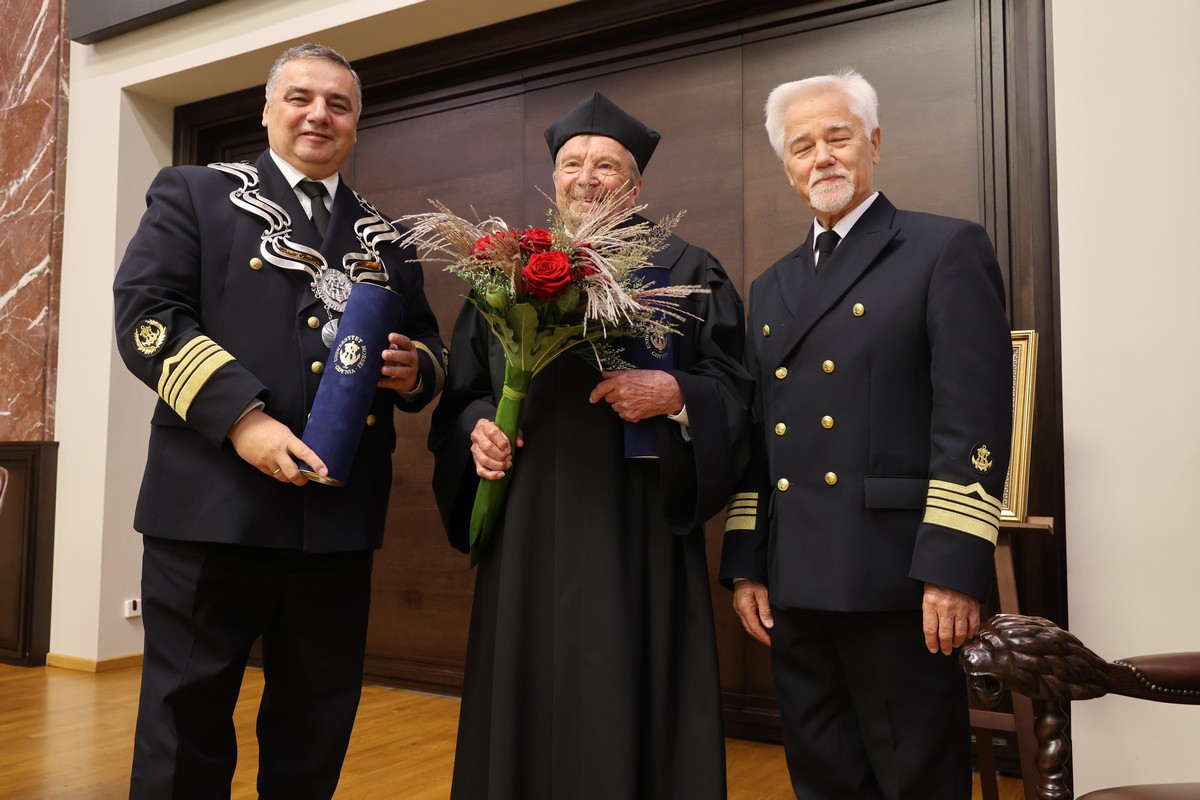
pixel 781 373
pixel 370 420
pixel 858 310
pixel 783 484
pixel 256 263
pixel 317 367
pixel 766 330
pixel 826 422
pixel 314 323
pixel 780 429
pixel 831 478
pixel 827 366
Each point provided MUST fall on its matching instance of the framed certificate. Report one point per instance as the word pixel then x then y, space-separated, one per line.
pixel 1024 368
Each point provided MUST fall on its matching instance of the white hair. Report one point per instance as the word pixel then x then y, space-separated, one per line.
pixel 860 96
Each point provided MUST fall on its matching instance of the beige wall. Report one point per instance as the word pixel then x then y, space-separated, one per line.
pixel 123 92
pixel 1126 82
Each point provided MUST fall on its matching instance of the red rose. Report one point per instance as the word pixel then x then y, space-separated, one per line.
pixel 547 275
pixel 585 261
pixel 536 240
pixel 486 246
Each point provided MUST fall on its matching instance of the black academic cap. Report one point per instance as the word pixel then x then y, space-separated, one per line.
pixel 602 117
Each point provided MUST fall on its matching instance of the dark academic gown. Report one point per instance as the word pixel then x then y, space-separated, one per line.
pixel 592 665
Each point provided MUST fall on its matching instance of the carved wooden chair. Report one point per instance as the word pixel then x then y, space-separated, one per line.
pixel 1033 657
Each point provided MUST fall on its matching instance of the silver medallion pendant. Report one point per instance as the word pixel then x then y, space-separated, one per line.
pixel 332 288
pixel 329 333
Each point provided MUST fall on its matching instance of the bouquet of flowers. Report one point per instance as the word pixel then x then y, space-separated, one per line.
pixel 547 291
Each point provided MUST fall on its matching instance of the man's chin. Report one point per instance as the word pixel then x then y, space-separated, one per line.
pixel 830 203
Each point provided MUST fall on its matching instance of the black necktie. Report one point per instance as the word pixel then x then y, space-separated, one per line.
pixel 320 214
pixel 826 242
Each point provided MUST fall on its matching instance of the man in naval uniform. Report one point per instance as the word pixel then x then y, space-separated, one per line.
pixel 591 664
pixel 226 305
pixel 862 541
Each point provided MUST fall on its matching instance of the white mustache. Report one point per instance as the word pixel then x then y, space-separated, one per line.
pixel 833 172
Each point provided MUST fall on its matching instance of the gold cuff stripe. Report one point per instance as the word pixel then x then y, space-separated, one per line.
pixel 740 522
pixel 742 512
pixel 962 523
pixel 185 373
pixel 439 374
pixel 966 490
pixel 951 497
pixel 966 511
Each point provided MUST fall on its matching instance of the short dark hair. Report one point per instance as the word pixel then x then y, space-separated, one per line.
pixel 317 51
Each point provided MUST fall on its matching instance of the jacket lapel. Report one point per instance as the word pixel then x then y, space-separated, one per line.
pixel 810 296
pixel 275 187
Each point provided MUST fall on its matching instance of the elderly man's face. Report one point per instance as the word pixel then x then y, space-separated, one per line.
pixel 589 167
pixel 311 118
pixel 828 157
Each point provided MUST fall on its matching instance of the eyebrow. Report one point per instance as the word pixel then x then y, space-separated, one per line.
pixel 307 91
pixel 833 126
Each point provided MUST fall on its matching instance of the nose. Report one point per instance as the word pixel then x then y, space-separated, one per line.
pixel 824 154
pixel 587 177
pixel 317 110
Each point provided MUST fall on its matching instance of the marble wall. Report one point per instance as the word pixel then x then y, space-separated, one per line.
pixel 33 117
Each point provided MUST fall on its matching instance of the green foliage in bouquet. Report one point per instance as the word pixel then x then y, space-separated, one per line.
pixel 548 291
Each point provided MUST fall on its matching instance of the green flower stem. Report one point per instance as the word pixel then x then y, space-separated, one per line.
pixel 489 497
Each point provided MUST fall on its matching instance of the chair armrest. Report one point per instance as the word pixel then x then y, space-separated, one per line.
pixel 1034 657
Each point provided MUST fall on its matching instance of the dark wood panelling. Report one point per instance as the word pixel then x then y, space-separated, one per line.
pixel 27 551
pixel 965 133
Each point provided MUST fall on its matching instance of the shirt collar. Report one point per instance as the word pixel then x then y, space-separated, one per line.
pixel 293 176
pixel 844 224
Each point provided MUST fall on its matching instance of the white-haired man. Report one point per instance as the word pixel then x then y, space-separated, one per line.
pixel 862 540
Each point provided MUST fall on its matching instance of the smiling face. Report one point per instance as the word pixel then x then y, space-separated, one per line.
pixel 589 167
pixel 828 156
pixel 311 116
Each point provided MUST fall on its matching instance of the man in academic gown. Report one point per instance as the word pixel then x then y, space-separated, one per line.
pixel 862 541
pixel 591 666
pixel 221 304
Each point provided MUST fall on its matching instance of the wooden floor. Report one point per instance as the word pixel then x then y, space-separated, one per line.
pixel 67 735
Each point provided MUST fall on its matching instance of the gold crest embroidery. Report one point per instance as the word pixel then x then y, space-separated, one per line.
pixel 351 355
pixel 982 459
pixel 149 336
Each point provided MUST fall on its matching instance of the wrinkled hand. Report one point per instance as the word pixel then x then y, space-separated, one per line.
pixel 753 609
pixel 400 371
pixel 267 444
pixel 948 618
pixel 637 394
pixel 491 450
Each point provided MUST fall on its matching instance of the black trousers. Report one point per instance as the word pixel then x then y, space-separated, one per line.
pixel 868 713
pixel 204 606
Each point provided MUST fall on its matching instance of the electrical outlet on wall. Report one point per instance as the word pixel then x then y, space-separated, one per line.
pixel 133 608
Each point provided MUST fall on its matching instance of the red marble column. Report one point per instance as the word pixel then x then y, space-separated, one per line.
pixel 33 124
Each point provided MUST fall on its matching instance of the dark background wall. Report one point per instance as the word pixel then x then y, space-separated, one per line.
pixel 965 132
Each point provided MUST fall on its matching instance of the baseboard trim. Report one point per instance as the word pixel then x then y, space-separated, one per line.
pixel 92 664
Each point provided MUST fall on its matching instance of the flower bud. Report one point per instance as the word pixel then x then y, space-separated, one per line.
pixel 497 299
pixel 568 301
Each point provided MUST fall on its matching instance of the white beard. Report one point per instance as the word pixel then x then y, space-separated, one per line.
pixel 830 198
